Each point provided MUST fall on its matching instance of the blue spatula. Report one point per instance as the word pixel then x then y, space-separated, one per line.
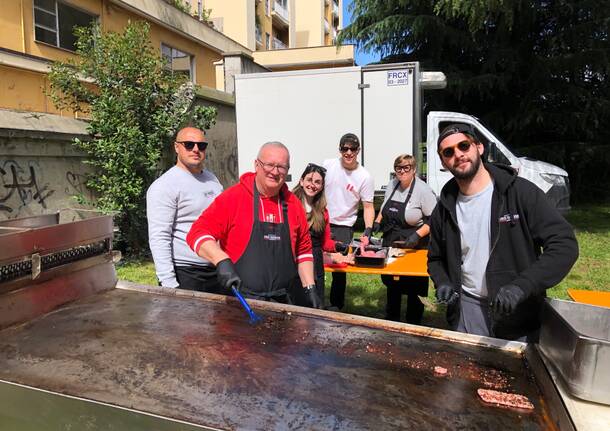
pixel 254 318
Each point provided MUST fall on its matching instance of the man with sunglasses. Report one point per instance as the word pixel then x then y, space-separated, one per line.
pixel 257 235
pixel 347 184
pixel 173 203
pixel 496 243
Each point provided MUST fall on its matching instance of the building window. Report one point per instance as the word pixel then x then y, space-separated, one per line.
pixel 267 41
pixel 268 7
pixel 54 23
pixel 180 62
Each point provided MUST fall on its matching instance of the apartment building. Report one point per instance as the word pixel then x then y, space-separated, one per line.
pixel 269 26
pixel 264 25
pixel 34 33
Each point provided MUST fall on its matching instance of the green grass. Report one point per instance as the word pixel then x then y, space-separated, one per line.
pixel 366 294
pixel 592 270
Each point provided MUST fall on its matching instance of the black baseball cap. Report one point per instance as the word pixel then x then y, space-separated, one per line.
pixel 452 129
pixel 349 138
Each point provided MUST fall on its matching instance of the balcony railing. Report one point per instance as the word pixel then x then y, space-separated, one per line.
pixel 281 11
pixel 278 44
pixel 259 35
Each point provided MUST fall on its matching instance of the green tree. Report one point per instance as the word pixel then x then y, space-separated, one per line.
pixel 135 104
pixel 536 71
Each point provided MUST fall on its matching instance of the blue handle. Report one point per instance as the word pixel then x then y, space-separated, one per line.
pixel 253 316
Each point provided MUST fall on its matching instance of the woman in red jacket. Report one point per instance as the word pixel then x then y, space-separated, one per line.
pixel 309 191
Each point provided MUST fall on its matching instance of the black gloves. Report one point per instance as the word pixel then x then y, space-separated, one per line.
pixel 508 298
pixel 340 247
pixel 412 240
pixel 376 228
pixel 226 275
pixel 445 294
pixel 367 232
pixel 310 291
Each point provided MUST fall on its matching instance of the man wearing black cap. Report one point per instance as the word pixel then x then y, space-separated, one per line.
pixel 496 243
pixel 347 184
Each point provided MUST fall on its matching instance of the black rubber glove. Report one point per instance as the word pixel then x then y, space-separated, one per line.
pixel 508 298
pixel 376 228
pixel 446 294
pixel 226 275
pixel 340 247
pixel 312 295
pixel 412 240
pixel 367 232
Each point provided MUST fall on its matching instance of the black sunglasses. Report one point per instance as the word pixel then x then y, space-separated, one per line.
pixel 189 145
pixel 347 148
pixel 313 167
pixel 448 152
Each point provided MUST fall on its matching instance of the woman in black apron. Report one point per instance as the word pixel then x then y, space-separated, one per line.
pixel 404 217
pixel 310 191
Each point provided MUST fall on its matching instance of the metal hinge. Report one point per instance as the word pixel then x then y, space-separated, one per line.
pixel 363 86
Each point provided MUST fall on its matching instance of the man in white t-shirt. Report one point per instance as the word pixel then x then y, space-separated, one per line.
pixel 347 184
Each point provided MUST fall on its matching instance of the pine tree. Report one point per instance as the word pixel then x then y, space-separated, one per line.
pixel 535 71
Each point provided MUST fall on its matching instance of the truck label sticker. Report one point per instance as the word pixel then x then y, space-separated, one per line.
pixel 398 77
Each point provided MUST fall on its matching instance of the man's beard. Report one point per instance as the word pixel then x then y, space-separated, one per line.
pixel 468 174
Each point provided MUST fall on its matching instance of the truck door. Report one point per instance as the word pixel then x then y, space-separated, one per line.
pixel 389 120
pixel 307 110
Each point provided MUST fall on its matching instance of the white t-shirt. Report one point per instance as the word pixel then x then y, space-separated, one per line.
pixel 474 220
pixel 344 189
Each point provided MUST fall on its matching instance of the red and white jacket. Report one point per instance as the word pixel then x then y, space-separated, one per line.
pixel 229 220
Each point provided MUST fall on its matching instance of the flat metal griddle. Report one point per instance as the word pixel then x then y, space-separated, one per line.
pixel 199 361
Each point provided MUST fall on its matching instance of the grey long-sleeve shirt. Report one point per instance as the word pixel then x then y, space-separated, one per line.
pixel 173 202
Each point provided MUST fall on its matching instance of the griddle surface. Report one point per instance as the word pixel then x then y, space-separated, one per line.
pixel 201 362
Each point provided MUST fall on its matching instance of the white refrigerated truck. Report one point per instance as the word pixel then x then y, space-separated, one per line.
pixel 310 110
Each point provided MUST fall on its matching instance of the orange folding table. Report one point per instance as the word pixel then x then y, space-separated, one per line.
pixel 413 263
pixel 591 297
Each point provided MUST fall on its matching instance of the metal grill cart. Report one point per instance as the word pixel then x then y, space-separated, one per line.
pixel 79 351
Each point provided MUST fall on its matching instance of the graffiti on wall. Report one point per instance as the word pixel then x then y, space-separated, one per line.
pixel 77 186
pixel 20 187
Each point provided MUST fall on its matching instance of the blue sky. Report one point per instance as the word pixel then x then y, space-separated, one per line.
pixel 361 57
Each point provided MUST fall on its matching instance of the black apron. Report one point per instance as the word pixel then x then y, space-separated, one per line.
pixel 267 267
pixel 393 223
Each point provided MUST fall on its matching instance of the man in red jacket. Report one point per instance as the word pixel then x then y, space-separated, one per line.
pixel 256 233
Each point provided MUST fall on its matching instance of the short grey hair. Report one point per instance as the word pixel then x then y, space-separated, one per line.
pixel 274 144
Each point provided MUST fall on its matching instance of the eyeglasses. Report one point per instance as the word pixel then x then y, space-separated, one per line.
pixel 189 145
pixel 346 149
pixel 448 152
pixel 313 167
pixel 403 168
pixel 269 167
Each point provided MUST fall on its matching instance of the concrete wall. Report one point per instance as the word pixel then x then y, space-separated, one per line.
pixel 221 155
pixel 41 171
pixel 237 17
pixel 309 23
pixel 306 58
pixel 236 63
